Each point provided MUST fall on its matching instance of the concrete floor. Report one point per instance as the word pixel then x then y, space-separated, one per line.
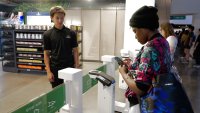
pixel 17 89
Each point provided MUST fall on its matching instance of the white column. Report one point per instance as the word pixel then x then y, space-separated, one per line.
pixel 164 7
pixel 106 95
pixel 73 84
pixel 110 61
pixel 130 42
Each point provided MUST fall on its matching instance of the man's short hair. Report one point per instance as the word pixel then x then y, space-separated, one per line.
pixel 56 9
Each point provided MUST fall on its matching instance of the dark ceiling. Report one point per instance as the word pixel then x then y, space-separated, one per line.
pixel 10 4
pixel 19 1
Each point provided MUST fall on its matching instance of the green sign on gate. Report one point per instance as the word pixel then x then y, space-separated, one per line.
pixel 48 103
pixel 89 82
pixel 55 99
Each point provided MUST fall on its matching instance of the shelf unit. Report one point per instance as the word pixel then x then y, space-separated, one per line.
pixel 22 49
pixel 79 35
pixel 8 51
pixel 29 50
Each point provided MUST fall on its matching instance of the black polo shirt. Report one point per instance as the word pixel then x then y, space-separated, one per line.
pixel 61 44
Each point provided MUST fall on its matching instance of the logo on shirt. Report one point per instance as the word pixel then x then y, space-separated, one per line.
pixel 68 36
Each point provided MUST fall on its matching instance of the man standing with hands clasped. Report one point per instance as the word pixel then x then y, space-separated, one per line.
pixel 60 47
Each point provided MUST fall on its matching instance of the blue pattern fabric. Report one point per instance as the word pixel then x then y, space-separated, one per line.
pixel 166 96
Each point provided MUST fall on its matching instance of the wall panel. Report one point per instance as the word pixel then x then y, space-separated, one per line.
pixel 91 34
pixel 108 22
pixel 120 20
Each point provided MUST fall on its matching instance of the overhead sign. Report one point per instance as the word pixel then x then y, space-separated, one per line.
pixel 177 17
pixel 181 19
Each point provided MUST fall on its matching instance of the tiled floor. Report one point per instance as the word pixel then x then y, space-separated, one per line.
pixel 191 77
pixel 17 89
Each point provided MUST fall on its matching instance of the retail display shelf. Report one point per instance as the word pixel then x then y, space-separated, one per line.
pixel 30 63
pixel 31 70
pixel 79 35
pixel 9 69
pixel 8 51
pixel 8 57
pixel 11 52
pixel 79 42
pixel 31 40
pixel 8 38
pixel 11 60
pixel 36 58
pixel 29 50
pixel 35 46
pixel 23 49
pixel 32 52
pixel 29 30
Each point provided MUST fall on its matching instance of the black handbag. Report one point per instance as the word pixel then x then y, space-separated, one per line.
pixel 166 95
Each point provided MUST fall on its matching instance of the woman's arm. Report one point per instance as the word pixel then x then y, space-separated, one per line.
pixel 130 81
pixel 147 63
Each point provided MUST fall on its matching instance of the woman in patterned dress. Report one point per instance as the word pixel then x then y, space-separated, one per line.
pixel 152 59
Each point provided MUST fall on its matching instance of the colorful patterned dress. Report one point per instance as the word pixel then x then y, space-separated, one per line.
pixel 152 59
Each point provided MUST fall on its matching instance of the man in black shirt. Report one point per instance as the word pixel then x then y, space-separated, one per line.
pixel 60 47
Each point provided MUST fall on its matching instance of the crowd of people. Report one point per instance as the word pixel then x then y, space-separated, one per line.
pixel 189 46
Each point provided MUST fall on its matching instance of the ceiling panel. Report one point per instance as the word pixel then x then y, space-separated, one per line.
pixel 71 1
pixel 91 4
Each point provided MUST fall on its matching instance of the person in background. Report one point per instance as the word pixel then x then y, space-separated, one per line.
pixel 191 43
pixel 152 59
pixel 60 47
pixel 180 35
pixel 167 32
pixel 192 36
pixel 196 54
pixel 185 42
pixel 181 47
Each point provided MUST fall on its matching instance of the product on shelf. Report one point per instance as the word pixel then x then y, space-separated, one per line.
pixel 33 27
pixel 28 36
pixel 29 61
pixel 27 49
pixel 29 43
pixel 29 67
pixel 30 55
pixel 79 37
pixel 79 28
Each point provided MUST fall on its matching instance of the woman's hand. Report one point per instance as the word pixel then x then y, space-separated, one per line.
pixel 123 69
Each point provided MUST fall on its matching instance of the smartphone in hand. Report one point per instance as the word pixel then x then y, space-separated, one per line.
pixel 119 61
